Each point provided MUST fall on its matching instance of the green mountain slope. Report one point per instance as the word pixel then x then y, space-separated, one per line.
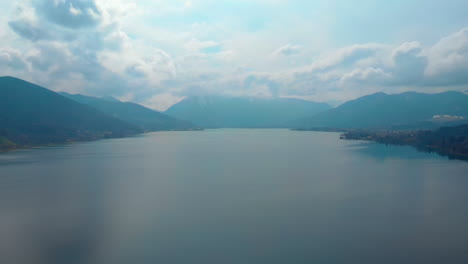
pixel 138 115
pixel 385 111
pixel 33 115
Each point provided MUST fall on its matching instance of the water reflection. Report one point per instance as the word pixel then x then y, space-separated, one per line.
pixel 385 151
pixel 231 196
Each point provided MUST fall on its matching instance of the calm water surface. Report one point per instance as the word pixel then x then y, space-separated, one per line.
pixel 232 196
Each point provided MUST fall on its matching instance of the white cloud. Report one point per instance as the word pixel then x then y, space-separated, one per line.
pixel 448 60
pixel 287 50
pixel 196 46
pixel 371 76
pixel 11 59
pixel 124 49
pixel 162 102
pixel 188 4
pixel 346 57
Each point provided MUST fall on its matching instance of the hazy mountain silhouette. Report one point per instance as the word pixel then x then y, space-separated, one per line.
pixel 32 115
pixel 138 115
pixel 242 112
pixel 381 110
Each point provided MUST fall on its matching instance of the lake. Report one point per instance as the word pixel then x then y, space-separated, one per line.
pixel 232 196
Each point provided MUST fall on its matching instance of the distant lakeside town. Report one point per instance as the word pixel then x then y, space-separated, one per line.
pixel 447 141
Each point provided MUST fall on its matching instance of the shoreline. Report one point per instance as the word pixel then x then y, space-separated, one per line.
pixel 421 140
pixel 22 147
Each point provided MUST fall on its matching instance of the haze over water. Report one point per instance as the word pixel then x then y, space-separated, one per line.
pixel 232 196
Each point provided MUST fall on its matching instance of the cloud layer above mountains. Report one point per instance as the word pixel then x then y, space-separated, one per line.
pixel 156 52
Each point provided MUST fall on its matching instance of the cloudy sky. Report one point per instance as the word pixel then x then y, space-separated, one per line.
pixel 155 52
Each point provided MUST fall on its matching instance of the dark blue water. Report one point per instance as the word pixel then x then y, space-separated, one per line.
pixel 232 196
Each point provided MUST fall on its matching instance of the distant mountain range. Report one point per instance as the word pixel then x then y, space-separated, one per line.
pixel 407 110
pixel 135 114
pixel 32 115
pixel 241 112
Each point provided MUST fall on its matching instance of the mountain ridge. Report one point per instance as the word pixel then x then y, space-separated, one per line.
pixel 33 115
pixel 138 115
pixel 243 112
pixel 380 110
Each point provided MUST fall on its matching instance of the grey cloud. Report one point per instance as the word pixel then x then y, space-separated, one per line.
pixel 63 60
pixel 60 61
pixel 135 71
pixel 162 64
pixel 354 53
pixel 368 76
pixel 252 81
pixel 336 72
pixel 39 63
pixel 346 57
pixel 365 65
pixel 69 13
pixel 311 84
pixel 355 71
pixel 406 68
pixel 61 52
pixel 87 63
pixel 409 64
pixel 252 84
pixel 27 30
pixel 448 60
pixel 50 56
pixel 10 58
